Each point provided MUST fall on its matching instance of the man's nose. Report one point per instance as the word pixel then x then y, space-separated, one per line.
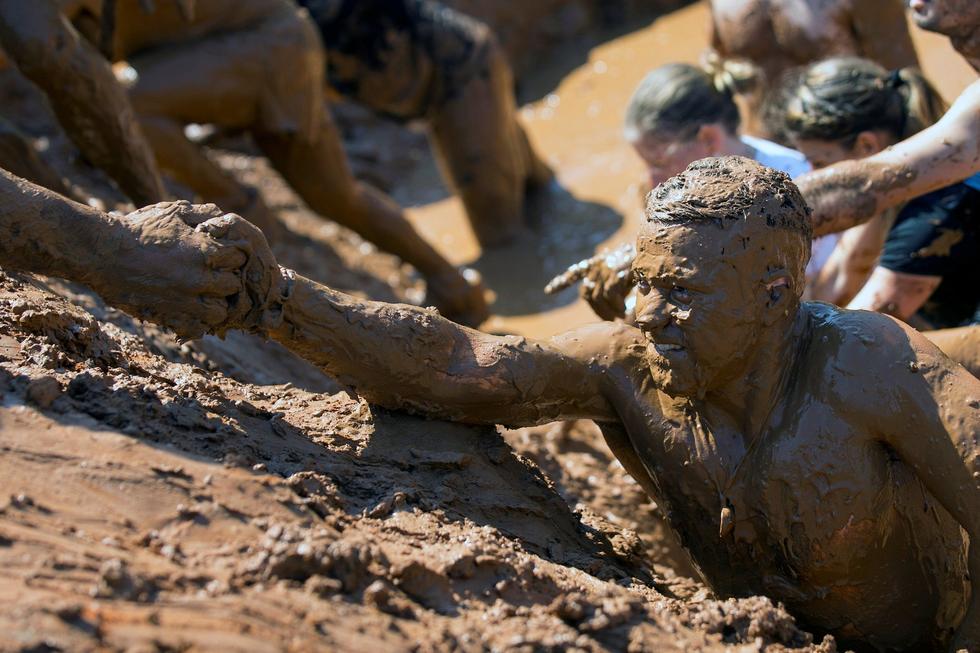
pixel 652 310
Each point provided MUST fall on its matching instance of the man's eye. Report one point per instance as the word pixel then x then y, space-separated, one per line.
pixel 643 285
pixel 680 295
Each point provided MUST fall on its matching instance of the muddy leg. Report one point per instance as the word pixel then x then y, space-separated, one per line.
pixel 189 165
pixel 485 154
pixel 17 155
pixel 317 169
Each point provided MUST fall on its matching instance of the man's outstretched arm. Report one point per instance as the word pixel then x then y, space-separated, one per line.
pixel 404 357
pixel 90 104
pixel 851 192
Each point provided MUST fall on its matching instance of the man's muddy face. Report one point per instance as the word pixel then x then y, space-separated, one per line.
pixel 950 17
pixel 665 158
pixel 699 305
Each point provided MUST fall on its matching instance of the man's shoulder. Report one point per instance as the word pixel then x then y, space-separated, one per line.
pixel 866 348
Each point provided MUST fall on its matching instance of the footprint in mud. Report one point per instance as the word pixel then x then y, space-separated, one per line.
pixel 562 230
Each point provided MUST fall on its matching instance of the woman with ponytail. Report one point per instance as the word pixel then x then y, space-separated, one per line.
pixel 851 108
pixel 681 113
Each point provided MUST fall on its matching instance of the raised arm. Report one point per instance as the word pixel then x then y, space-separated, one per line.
pixel 152 263
pixel 405 357
pixel 851 192
pixel 931 418
pixel 883 32
pixel 89 102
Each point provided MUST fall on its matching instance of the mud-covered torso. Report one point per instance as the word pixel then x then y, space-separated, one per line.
pixel 815 513
pixel 779 34
pixel 140 25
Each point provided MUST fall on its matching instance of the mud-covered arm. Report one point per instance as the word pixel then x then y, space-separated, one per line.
pixel 928 411
pixel 90 104
pixel 883 33
pixel 160 262
pixel 852 192
pixel 404 357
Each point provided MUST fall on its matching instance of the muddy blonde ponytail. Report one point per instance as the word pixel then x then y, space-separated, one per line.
pixel 837 99
pixel 729 76
pixel 677 99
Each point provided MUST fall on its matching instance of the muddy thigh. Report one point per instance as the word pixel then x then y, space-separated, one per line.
pixel 267 77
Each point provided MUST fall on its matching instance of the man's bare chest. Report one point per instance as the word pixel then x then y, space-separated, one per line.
pixel 804 495
pixel 797 30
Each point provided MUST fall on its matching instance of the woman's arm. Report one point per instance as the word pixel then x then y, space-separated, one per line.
pixel 895 293
pixel 852 192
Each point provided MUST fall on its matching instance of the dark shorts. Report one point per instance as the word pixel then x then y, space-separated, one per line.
pixel 402 58
pixel 939 235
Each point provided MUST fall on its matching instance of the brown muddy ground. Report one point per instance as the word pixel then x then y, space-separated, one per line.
pixel 224 495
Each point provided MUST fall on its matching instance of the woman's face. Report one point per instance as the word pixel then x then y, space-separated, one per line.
pixel 821 154
pixel 665 158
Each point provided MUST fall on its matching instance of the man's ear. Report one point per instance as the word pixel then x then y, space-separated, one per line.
pixel 778 294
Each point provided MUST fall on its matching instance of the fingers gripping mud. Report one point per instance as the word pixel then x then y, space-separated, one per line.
pixel 197 270
pixel 257 304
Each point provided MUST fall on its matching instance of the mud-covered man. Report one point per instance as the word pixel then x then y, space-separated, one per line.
pixel 777 35
pixel 255 65
pixel 418 59
pixel 823 457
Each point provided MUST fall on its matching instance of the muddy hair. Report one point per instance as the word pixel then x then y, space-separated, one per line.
pixel 736 191
pixel 837 99
pixel 678 99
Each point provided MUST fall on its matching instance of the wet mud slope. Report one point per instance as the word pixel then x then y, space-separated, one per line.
pixel 151 505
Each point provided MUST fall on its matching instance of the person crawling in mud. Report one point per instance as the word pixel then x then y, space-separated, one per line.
pixel 254 65
pixel 826 458
pixel 852 192
pixel 777 35
pixel 419 59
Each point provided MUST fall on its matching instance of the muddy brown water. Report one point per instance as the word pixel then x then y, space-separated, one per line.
pixel 597 200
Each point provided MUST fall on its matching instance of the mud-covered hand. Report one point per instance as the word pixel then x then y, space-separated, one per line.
pixel 265 286
pixel 158 267
pixel 605 278
pixel 459 295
